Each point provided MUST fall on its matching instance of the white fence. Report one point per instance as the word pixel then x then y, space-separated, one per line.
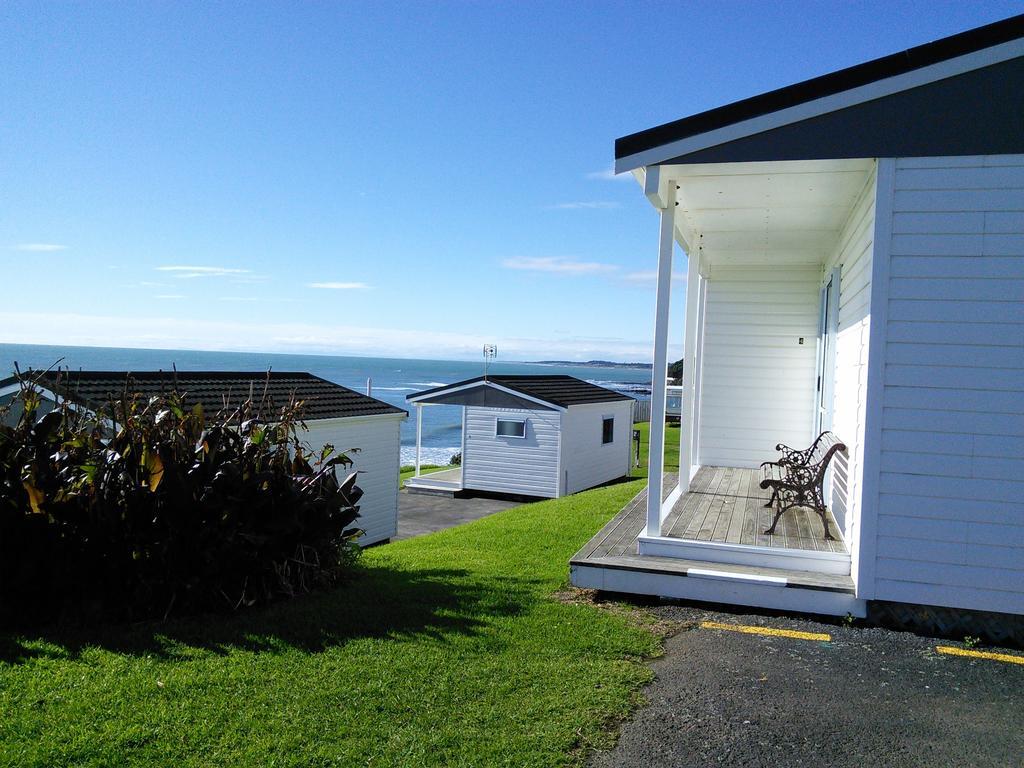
pixel 641 411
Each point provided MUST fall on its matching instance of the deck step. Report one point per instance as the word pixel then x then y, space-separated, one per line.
pixel 726 572
pixel 803 591
pixel 729 556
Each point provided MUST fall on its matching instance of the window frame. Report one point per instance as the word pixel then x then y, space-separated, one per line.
pixel 522 422
pixel 604 421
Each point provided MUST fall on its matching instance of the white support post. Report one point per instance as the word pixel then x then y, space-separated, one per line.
pixel 687 418
pixel 659 372
pixel 419 435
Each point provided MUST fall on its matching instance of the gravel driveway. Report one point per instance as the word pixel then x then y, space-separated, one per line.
pixel 869 697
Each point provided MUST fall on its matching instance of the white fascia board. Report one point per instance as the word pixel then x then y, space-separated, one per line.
pixel 602 405
pixel 833 103
pixel 498 387
pixel 359 419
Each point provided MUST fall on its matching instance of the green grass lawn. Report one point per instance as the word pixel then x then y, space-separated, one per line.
pixel 408 471
pixel 448 649
pixel 671 448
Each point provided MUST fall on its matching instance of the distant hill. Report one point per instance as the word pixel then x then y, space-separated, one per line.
pixel 597 364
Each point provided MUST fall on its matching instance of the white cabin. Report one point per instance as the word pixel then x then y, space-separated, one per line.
pixel 366 428
pixel 854 251
pixel 542 436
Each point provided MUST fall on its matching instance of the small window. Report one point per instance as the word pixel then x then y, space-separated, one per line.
pixel 607 430
pixel 511 428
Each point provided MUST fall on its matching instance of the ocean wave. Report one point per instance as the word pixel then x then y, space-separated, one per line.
pixel 638 387
pixel 427 455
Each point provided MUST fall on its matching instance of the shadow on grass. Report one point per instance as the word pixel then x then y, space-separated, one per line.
pixel 378 602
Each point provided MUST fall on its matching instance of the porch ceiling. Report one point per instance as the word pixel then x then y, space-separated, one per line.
pixel 757 213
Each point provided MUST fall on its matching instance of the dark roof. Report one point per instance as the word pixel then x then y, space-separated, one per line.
pixel 561 391
pixel 216 390
pixel 826 85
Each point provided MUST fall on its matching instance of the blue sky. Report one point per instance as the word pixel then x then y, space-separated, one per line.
pixel 405 179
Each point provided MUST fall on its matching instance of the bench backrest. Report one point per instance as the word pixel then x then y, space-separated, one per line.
pixel 822 446
pixel 825 447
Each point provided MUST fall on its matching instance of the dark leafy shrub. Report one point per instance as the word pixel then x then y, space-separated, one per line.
pixel 147 507
pixel 455 460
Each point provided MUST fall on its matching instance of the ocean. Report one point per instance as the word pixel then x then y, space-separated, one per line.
pixel 392 378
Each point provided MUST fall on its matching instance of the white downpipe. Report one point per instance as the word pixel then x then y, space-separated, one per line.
pixel 419 435
pixel 659 372
pixel 690 365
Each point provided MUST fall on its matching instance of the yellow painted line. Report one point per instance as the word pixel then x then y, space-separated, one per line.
pixel 980 654
pixel 767 631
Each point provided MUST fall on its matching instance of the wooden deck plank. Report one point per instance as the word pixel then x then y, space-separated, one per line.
pixel 623 541
pixel 682 515
pixel 629 524
pixel 714 509
pixel 620 519
pixel 749 524
pixel 735 530
pixel 702 504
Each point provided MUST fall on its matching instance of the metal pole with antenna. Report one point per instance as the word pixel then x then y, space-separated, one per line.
pixel 490 352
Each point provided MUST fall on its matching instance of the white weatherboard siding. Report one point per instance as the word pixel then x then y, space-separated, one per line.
pixel 587 462
pixel 377 462
pixel 950 527
pixel 853 254
pixel 527 466
pixel 757 384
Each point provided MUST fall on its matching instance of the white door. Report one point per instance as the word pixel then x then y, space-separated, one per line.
pixel 828 328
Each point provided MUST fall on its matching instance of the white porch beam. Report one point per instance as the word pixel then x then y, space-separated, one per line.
pixel 688 415
pixel 659 371
pixel 419 435
pixel 657 186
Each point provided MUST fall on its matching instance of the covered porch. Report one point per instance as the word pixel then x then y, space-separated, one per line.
pixel 778 281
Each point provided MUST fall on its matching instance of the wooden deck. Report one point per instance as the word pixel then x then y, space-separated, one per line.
pixel 726 505
pixel 774 574
pixel 618 537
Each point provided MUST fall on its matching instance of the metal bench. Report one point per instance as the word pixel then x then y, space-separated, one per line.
pixel 798 478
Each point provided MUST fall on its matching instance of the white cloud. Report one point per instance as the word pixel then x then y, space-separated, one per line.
pixel 186 272
pixel 596 205
pixel 608 174
pixel 39 247
pixel 169 296
pixel 339 286
pixel 557 264
pixel 150 332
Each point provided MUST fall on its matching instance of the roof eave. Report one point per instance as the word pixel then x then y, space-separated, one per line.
pixel 926 63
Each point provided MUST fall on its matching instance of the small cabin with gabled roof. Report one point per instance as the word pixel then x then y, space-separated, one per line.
pixel 332 414
pixel 543 436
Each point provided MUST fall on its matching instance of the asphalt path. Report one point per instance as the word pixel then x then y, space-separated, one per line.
pixel 866 697
pixel 420 513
